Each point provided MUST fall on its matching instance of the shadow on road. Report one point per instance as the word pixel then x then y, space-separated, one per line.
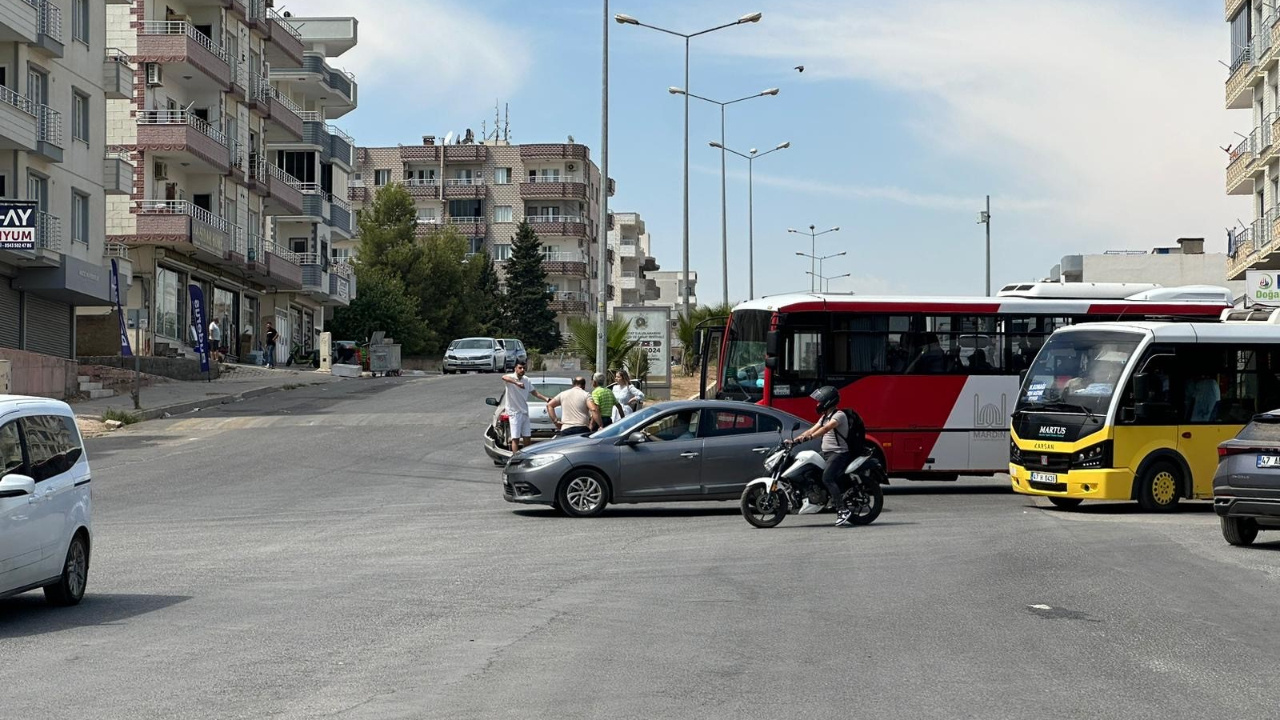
pixel 106 446
pixel 1130 508
pixel 906 487
pixel 28 615
pixel 652 511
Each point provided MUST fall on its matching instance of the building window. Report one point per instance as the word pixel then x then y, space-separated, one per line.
pixel 79 217
pixel 502 176
pixel 501 253
pixel 477 245
pixel 426 215
pixel 80 116
pixel 381 177
pixel 502 213
pixel 80 20
pixel 342 255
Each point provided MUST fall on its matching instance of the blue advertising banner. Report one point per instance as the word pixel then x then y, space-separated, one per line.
pixel 17 225
pixel 125 350
pixel 198 325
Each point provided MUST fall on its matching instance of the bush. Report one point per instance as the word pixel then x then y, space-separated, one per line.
pixel 119 416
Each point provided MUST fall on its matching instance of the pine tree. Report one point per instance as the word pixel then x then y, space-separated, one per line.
pixel 529 312
pixel 486 296
pixel 386 225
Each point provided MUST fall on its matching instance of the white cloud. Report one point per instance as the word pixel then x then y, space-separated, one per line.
pixel 429 55
pixel 1113 111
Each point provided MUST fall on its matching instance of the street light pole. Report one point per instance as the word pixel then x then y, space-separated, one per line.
pixel 602 270
pixel 628 20
pixel 984 218
pixel 751 158
pixel 813 246
pixel 821 261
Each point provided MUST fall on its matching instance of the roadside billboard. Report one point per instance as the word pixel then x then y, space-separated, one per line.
pixel 1262 287
pixel 18 225
pixel 651 328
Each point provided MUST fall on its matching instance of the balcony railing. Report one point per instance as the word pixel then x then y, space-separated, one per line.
pixel 416 182
pixel 49 19
pixel 552 179
pixel 341 269
pixel 253 247
pixel 280 252
pixel 175 27
pixel 48 232
pixel 273 15
pixel 19 101
pixel 558 256
pixel 48 125
pixel 555 219
pixel 570 296
pixel 116 250
pixel 308 258
pixel 184 207
pixel 464 181
pixel 311 116
pixel 465 220
pixel 183 117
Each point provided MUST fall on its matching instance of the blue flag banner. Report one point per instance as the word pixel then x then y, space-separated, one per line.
pixel 125 350
pixel 198 321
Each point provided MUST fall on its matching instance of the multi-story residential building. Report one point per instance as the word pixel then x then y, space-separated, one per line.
pixel 55 75
pixel 632 261
pixel 483 189
pixel 1253 166
pixel 1171 266
pixel 233 168
pixel 670 284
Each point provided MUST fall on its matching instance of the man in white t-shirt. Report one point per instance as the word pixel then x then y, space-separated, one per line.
pixel 518 406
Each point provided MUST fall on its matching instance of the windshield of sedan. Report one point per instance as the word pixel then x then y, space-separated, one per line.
pixel 1077 372
pixel 478 344
pixel 628 424
pixel 743 363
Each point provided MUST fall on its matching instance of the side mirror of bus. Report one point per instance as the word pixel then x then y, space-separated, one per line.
pixel 771 343
pixel 1141 387
pixel 771 362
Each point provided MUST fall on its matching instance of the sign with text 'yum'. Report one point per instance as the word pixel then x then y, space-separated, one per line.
pixel 18 225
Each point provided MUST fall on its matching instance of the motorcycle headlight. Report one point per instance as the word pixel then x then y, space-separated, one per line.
pixel 1092 457
pixel 537 461
pixel 1015 453
pixel 772 461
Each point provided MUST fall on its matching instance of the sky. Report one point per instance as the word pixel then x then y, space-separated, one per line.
pixel 1093 124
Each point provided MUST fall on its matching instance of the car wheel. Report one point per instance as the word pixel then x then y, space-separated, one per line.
pixel 582 493
pixel 1239 531
pixel 69 589
pixel 1158 488
pixel 1066 503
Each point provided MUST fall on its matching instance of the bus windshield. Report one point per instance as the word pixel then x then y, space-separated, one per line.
pixel 1077 372
pixel 743 363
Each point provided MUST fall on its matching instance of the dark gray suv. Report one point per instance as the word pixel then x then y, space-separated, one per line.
pixel 1246 488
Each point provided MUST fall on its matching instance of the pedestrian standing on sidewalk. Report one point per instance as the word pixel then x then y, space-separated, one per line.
pixel 521 387
pixel 215 341
pixel 574 410
pixel 602 402
pixel 271 335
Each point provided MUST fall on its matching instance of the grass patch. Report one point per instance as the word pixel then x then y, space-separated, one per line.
pixel 292 386
pixel 119 416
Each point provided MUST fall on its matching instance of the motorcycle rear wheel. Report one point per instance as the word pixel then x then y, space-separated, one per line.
pixel 762 508
pixel 865 503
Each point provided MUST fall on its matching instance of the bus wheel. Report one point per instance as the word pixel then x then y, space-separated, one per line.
pixel 1066 503
pixel 1158 487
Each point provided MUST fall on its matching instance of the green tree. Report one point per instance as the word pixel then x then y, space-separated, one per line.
pixel 435 276
pixel 381 303
pixel 529 312
pixel 386 225
pixel 486 297
pixel 686 328
pixel 582 342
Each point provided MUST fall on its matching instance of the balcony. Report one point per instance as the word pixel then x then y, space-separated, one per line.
pixel 286 116
pixel 554 151
pixel 569 302
pixel 341 148
pixel 283 192
pixel 283 267
pixel 117 75
pixel 17 121
pixel 182 136
pixel 462 188
pixel 650 264
pixel 19 21
pixel 569 264
pixel 1239 179
pixel 342 283
pixel 466 226
pixel 184 51
pixel 558 225
pixel 340 215
pixel 255 256
pixel 49 133
pixel 572 187
pixel 184 227
pixel 1254 247
pixel 329 86
pixel 315 276
pixel 48 26
pixel 1233 7
pixel 48 251
pixel 360 194
pixel 285 47
pixel 117 173
pixel 418 187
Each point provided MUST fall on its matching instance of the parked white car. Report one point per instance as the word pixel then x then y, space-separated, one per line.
pixel 477 353
pixel 45 534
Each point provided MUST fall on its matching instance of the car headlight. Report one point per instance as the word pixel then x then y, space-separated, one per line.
pixel 1015 453
pixel 1092 457
pixel 537 461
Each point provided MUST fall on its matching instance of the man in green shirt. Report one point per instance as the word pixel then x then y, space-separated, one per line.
pixel 601 402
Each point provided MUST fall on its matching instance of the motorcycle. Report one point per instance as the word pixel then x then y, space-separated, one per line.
pixel 795 476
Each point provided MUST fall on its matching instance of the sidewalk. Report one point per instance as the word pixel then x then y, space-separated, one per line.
pixel 238 382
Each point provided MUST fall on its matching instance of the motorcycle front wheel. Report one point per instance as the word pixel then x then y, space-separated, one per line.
pixel 762 508
pixel 865 502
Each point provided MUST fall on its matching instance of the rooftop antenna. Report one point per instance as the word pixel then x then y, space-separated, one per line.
pixel 506 125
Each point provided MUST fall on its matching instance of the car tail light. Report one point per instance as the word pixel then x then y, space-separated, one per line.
pixel 1229 450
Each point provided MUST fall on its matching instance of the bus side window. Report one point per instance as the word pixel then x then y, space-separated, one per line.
pixel 802 353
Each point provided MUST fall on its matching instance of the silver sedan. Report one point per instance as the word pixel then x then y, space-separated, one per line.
pixel 676 451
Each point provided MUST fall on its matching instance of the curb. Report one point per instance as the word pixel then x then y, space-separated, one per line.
pixel 194 405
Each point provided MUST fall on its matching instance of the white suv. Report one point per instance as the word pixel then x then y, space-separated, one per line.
pixel 44 500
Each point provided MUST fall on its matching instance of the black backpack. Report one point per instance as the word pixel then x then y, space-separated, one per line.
pixel 857 437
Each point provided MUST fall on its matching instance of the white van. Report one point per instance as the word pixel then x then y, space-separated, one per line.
pixel 45 533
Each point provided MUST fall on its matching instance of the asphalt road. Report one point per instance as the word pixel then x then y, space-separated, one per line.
pixel 345 551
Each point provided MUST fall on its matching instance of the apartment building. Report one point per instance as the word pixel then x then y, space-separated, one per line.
pixel 233 169
pixel 632 261
pixel 670 283
pixel 1171 266
pixel 1253 165
pixel 484 189
pixel 55 75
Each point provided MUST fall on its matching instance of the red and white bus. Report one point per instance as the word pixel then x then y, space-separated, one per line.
pixel 934 379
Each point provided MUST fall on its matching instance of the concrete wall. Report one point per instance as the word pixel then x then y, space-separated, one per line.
pixel 1168 270
pixel 41 375
pixel 172 368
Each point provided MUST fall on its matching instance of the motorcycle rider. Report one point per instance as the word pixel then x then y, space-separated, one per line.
pixel 833 427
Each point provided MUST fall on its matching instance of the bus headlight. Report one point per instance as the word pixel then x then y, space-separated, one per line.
pixel 1015 453
pixel 1092 457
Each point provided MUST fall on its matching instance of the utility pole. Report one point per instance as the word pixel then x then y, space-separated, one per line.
pixel 984 218
pixel 602 301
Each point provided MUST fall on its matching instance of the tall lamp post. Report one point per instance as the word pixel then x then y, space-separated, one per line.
pixel 724 214
pixel 984 218
pixel 751 222
pixel 821 259
pixel 813 244
pixel 828 279
pixel 602 270
pixel 628 20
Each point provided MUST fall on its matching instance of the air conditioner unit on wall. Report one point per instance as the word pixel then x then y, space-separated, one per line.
pixel 570 166
pixel 154 75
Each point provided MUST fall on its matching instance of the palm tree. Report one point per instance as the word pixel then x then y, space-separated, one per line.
pixel 686 329
pixel 582 342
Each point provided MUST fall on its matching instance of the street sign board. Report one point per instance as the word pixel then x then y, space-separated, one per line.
pixel 1262 287
pixel 18 225
pixel 651 327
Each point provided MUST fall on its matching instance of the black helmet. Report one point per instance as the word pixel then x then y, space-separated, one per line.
pixel 827 398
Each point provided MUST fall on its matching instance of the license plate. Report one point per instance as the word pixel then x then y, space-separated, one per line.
pixel 1269 461
pixel 1039 477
